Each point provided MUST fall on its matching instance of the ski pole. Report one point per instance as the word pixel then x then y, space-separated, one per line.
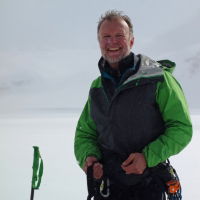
pixel 37 171
pixel 32 193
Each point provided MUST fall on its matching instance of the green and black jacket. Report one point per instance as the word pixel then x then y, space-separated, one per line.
pixel 143 109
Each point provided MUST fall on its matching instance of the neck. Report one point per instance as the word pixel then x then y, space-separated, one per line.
pixel 114 66
pixel 117 67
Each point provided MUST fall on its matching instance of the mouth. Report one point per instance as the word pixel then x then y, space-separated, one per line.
pixel 113 49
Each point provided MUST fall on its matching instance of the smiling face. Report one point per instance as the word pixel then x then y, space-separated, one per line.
pixel 115 40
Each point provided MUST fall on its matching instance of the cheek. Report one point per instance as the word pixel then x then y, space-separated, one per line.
pixel 123 43
pixel 102 45
pixel 127 44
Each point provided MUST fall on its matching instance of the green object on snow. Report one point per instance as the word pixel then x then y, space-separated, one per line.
pixel 37 168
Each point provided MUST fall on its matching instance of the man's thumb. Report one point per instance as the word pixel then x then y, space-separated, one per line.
pixel 129 160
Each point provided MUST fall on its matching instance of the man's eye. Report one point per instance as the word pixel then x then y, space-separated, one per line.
pixel 106 36
pixel 119 36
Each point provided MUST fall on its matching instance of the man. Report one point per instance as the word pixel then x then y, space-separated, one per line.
pixel 135 118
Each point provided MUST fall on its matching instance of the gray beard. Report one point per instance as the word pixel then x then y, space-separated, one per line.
pixel 113 60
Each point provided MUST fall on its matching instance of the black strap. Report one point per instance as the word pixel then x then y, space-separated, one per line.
pixel 90 182
pixel 93 184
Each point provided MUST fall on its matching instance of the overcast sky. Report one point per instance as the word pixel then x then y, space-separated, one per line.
pixel 48 43
pixel 32 25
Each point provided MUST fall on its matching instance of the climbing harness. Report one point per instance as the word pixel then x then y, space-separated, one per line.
pixel 164 174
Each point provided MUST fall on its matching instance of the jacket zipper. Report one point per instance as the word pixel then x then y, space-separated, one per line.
pixel 120 89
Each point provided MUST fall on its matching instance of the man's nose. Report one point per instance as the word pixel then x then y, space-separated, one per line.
pixel 112 40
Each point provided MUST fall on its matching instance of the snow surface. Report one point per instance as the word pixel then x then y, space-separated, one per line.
pixel 63 179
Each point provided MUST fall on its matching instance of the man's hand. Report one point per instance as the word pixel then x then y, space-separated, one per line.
pixel 97 168
pixel 135 164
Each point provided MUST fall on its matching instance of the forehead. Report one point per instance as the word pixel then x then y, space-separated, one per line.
pixel 114 24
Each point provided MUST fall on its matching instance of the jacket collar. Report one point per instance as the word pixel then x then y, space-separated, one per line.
pixel 127 67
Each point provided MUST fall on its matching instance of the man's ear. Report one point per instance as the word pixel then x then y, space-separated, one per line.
pixel 132 42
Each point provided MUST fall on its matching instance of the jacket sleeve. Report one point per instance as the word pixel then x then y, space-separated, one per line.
pixel 85 142
pixel 175 114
